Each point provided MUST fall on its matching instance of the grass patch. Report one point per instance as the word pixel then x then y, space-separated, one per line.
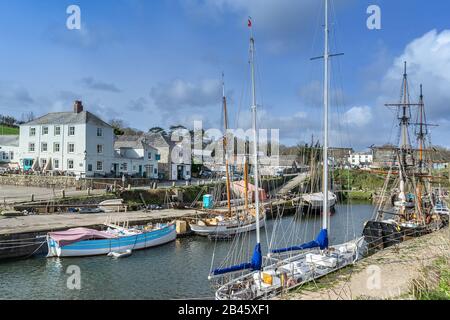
pixel 7 130
pixel 434 283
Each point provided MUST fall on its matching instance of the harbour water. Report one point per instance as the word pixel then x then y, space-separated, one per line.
pixel 177 270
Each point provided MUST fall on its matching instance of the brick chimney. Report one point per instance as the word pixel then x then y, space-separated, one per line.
pixel 78 107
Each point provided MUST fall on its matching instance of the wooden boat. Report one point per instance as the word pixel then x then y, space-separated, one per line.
pixel 81 242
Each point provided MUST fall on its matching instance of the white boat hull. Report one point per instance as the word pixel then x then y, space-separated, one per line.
pixel 315 200
pixel 106 246
pixel 290 272
pixel 225 229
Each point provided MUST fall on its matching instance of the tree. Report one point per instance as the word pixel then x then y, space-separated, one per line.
pixel 158 130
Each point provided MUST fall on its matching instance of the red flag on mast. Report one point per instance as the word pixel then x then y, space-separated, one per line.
pixel 249 22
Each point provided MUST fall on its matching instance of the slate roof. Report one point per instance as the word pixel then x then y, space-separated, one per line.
pixel 133 142
pixel 63 118
pixel 10 141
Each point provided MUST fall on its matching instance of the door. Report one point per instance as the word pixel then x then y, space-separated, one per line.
pixel 180 175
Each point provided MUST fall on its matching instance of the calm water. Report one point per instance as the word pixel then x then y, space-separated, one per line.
pixel 174 271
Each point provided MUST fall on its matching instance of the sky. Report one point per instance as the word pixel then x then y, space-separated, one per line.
pixel 159 63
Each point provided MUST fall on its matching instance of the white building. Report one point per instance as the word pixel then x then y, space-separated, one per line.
pixel 75 143
pixel 135 157
pixel 360 159
pixel 9 149
pixel 174 163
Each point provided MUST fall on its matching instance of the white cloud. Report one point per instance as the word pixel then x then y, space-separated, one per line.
pixel 358 116
pixel 179 94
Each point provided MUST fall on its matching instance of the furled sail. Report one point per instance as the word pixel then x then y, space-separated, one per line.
pixel 321 242
pixel 254 265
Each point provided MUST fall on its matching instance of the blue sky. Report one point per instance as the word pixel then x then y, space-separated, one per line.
pixel 157 63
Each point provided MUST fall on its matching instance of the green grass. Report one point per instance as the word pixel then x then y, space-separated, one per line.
pixel 6 130
pixel 435 283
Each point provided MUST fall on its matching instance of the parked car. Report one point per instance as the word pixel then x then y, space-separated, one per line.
pixel 205 174
pixel 90 210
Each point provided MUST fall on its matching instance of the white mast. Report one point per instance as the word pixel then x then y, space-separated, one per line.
pixel 325 125
pixel 255 134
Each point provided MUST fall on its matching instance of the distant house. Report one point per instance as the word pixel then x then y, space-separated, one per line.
pixel 338 157
pixel 384 157
pixel 173 164
pixel 283 164
pixel 361 159
pixel 135 157
pixel 9 149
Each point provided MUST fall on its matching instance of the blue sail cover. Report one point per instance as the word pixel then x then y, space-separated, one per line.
pixel 321 242
pixel 255 264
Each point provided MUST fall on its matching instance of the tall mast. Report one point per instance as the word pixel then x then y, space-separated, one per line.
pixel 255 132
pixel 325 125
pixel 225 145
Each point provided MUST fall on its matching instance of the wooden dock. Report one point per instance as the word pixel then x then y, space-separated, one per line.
pixel 47 223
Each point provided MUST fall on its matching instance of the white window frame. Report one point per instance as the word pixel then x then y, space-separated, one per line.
pixel 69 162
pixel 101 147
pixel 97 166
pixel 99 132
pixel 32 132
pixel 56 163
pixel 68 147
pixel 57 131
pixel 71 131
pixel 42 147
pixel 31 147
pixel 54 147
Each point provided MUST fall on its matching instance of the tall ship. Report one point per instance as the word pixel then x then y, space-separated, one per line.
pixel 406 203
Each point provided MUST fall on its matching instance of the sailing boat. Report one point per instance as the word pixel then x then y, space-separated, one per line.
pixel 285 270
pixel 236 220
pixel 410 211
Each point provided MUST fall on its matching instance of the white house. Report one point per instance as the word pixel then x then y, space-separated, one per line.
pixel 81 144
pixel 135 157
pixel 9 149
pixel 76 142
pixel 360 159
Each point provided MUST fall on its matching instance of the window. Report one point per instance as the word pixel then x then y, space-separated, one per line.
pixel 32 132
pixel 99 166
pixel 56 163
pixel 31 147
pixel 71 148
pixel 43 162
pixel 99 132
pixel 99 148
pixel 11 155
pixel 124 167
pixel 56 147
pixel 45 130
pixel 149 156
pixel 90 167
pixel 70 164
pixel 57 131
pixel 71 131
pixel 44 147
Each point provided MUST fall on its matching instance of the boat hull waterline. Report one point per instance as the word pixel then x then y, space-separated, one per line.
pixel 225 229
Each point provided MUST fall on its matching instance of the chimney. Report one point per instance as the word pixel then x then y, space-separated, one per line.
pixel 78 107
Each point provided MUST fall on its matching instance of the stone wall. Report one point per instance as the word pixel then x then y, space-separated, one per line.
pixel 61 182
